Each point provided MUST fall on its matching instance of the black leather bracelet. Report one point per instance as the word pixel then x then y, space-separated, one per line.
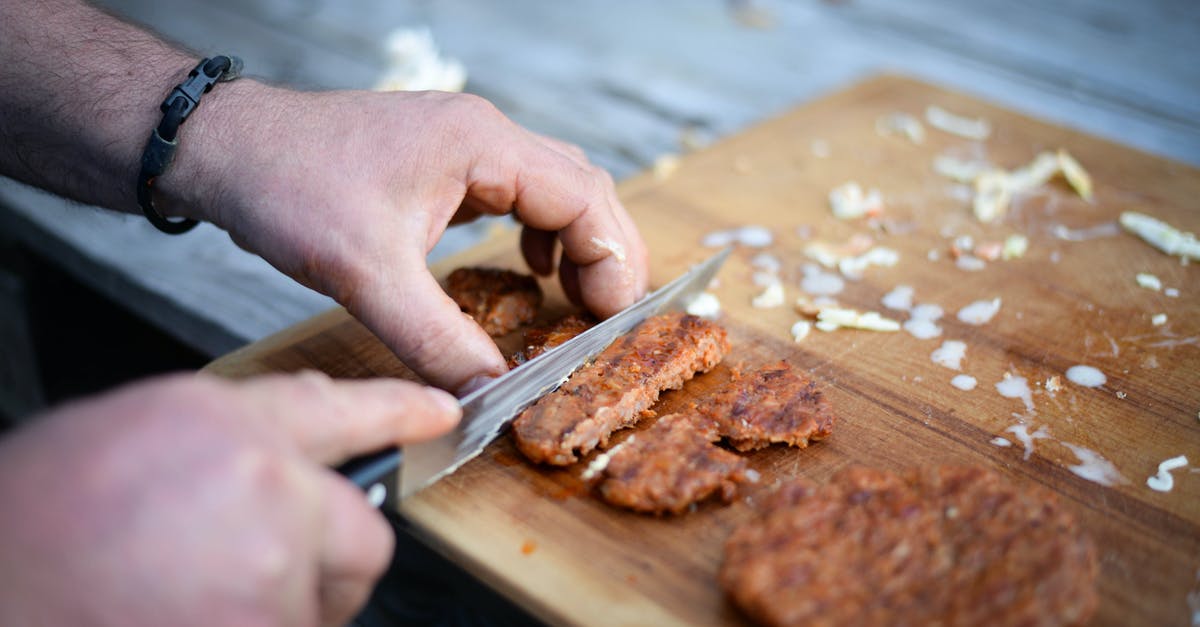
pixel 164 139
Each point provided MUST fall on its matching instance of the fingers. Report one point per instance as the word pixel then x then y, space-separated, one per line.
pixel 356 546
pixel 331 421
pixel 554 192
pixel 568 276
pixel 537 246
pixel 569 150
pixel 411 313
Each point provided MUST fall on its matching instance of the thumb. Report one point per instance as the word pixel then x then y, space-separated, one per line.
pixel 331 421
pixel 425 327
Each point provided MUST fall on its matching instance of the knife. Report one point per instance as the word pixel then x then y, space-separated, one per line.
pixel 489 409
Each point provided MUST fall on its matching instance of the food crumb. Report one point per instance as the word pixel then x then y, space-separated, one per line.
pixel 902 124
pixel 1121 395
pixel 1087 376
pixel 801 329
pixel 751 236
pixel 1026 438
pixel 1001 442
pixel 1163 481
pixel 1015 246
pixel 922 328
pixel 821 283
pixel 922 321
pixel 848 201
pixel 853 267
pixel 970 263
pixel 1149 281
pixel 1053 384
pixel 989 251
pixel 770 297
pixel 1078 178
pixel 950 354
pixel 1093 467
pixel 1016 387
pixel 964 382
pixel 901 298
pixel 959 170
pixel 1171 292
pixel 1161 235
pixel 528 547
pixel 833 318
pixel 767 263
pixel 1158 319
pixel 617 250
pixel 704 305
pixel 968 128
pixel 979 312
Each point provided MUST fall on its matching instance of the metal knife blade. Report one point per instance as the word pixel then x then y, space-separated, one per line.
pixel 488 410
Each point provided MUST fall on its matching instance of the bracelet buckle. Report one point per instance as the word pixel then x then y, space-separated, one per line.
pixel 160 148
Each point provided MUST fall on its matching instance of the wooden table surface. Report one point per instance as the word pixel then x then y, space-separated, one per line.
pixel 540 538
pixel 623 81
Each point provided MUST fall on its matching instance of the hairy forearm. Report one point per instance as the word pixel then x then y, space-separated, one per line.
pixel 79 94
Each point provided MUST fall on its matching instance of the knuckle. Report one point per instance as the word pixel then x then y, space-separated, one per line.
pixel 472 108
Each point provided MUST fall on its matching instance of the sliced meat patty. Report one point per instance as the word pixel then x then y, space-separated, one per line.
pixel 671 465
pixel 675 463
pixel 541 338
pixel 934 546
pixel 499 300
pixel 621 383
pixel 774 404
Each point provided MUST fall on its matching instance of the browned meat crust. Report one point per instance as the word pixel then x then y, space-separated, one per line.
pixel 675 463
pixel 775 404
pixel 622 382
pixel 671 465
pixel 499 300
pixel 541 338
pixel 936 546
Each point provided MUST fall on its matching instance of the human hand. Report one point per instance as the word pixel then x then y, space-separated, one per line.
pixel 190 500
pixel 348 191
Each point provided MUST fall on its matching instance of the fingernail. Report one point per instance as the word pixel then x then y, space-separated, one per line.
pixel 473 384
pixel 444 400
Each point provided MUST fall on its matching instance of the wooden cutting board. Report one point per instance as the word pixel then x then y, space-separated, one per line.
pixel 539 537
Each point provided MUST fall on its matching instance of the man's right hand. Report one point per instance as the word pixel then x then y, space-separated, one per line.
pixel 189 500
pixel 348 191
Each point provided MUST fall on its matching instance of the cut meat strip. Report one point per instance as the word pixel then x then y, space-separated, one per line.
pixel 670 466
pixel 932 546
pixel 775 404
pixel 541 338
pixel 613 391
pixel 499 300
pixel 675 463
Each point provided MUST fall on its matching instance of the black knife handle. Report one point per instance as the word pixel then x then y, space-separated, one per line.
pixel 375 473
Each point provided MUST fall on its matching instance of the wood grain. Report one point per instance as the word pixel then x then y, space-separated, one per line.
pixel 1064 303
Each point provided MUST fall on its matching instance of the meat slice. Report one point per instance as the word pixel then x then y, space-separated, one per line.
pixel 541 338
pixel 933 546
pixel 499 300
pixel 774 404
pixel 675 463
pixel 622 382
pixel 671 465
